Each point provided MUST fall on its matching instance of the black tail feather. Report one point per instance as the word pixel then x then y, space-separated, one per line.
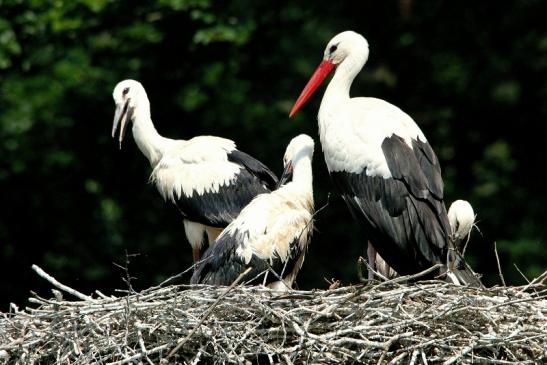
pixel 459 272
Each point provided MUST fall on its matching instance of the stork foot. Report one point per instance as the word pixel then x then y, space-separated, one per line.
pixel 371 255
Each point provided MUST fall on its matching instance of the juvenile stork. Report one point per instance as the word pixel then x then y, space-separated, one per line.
pixel 206 177
pixel 383 166
pixel 271 234
pixel 462 220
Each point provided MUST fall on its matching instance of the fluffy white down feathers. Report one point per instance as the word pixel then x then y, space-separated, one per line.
pixel 268 225
pixel 462 219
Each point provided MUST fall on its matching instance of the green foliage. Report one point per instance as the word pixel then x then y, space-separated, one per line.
pixel 522 255
pixel 474 77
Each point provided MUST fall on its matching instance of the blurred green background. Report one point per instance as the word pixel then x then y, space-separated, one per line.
pixel 472 74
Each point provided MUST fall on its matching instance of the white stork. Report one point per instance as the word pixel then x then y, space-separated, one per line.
pixel 462 220
pixel 271 234
pixel 385 169
pixel 206 177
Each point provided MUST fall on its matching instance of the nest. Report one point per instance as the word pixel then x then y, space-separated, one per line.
pixel 388 322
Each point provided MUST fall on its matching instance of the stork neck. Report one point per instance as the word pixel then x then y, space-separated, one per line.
pixel 149 141
pixel 338 89
pixel 302 174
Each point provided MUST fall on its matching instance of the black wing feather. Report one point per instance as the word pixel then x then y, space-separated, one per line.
pixel 255 167
pixel 404 216
pixel 218 209
pixel 221 264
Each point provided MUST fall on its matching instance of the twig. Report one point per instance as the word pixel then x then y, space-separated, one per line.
pixel 208 312
pixel 398 358
pixel 400 279
pixel 57 284
pixel 424 358
pixel 138 356
pixel 415 354
pixel 539 280
pixel 521 273
pixel 461 354
pixel 498 262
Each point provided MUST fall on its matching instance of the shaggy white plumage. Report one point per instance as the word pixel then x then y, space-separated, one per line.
pixel 268 226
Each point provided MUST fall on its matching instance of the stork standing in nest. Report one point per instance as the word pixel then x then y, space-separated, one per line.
pixel 384 167
pixel 206 177
pixel 271 234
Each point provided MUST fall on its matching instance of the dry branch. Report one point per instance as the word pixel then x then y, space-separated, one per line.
pixel 423 323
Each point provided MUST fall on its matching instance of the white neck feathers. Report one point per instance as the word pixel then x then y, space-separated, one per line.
pixel 149 141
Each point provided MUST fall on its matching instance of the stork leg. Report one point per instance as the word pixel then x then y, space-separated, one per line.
pixel 371 255
pixel 195 233
pixel 195 254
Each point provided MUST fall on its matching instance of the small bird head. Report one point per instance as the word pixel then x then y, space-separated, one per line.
pixel 127 95
pixel 338 49
pixel 461 218
pixel 300 146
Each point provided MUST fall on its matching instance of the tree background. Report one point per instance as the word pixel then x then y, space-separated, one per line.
pixel 472 74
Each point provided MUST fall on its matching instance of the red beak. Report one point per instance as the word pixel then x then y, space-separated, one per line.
pixel 324 68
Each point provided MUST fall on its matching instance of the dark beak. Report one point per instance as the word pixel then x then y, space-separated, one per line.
pixel 122 116
pixel 286 176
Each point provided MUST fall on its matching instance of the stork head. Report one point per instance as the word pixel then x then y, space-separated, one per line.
pixel 344 45
pixel 127 94
pixel 300 147
pixel 461 218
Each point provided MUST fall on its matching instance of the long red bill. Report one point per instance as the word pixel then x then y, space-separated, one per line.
pixel 324 68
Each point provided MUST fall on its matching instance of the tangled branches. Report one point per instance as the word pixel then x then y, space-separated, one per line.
pixel 426 322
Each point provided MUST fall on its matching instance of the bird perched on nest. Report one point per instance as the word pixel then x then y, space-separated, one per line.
pixel 206 177
pixel 271 234
pixel 384 167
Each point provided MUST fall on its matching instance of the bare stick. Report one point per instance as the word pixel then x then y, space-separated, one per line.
pixel 207 313
pixel 461 354
pixel 360 261
pixel 138 356
pixel 521 273
pixel 498 261
pixel 413 276
pixel 398 358
pixel 57 284
pixel 537 281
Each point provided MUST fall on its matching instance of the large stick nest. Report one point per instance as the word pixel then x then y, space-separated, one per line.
pixel 389 322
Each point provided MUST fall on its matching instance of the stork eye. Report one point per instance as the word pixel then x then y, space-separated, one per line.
pixel 333 48
pixel 125 91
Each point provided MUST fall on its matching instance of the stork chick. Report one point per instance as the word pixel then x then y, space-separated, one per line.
pixel 271 234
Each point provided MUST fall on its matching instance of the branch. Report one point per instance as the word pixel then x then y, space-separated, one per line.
pixel 57 284
pixel 498 261
pixel 208 312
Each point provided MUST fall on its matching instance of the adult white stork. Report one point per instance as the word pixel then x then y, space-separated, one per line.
pixel 382 164
pixel 271 234
pixel 206 177
pixel 461 219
